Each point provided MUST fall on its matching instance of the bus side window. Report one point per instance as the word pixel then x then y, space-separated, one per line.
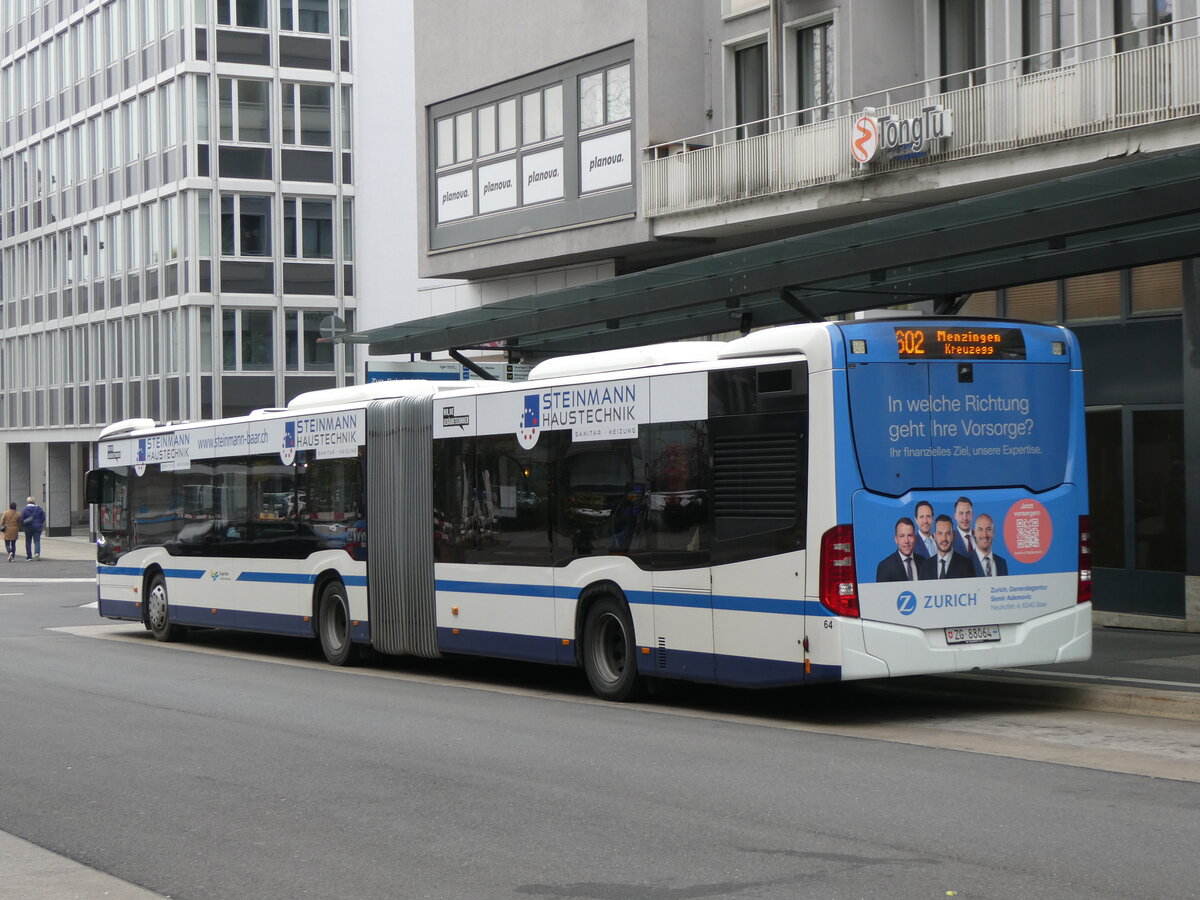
pixel 508 509
pixel 678 507
pixel 600 493
pixel 327 503
pixel 231 500
pixel 158 508
pixel 453 482
pixel 195 487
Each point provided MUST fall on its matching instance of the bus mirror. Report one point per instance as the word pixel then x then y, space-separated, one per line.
pixel 93 487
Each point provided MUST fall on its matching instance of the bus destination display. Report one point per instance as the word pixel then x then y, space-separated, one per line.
pixel 950 342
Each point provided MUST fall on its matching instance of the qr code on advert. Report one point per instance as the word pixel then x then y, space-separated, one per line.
pixel 1029 533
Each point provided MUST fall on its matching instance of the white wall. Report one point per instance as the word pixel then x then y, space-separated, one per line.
pixel 385 253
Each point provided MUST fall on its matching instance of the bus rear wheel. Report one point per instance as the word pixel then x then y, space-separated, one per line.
pixel 333 625
pixel 158 615
pixel 609 652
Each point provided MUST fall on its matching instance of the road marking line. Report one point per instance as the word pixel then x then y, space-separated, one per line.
pixel 1077 675
pixel 47 580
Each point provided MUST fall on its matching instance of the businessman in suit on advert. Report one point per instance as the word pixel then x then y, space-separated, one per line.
pixel 925 545
pixel 947 562
pixel 901 565
pixel 964 540
pixel 986 562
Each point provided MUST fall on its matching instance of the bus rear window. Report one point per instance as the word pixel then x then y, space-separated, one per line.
pixel 957 424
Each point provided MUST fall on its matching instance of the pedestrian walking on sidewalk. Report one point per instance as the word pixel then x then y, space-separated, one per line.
pixel 10 522
pixel 33 520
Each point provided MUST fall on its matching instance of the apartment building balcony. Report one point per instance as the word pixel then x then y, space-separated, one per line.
pixel 1002 124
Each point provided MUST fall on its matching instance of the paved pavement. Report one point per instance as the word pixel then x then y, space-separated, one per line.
pixel 28 872
pixel 75 548
pixel 1132 671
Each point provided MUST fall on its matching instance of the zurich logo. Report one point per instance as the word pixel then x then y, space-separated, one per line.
pixel 907 603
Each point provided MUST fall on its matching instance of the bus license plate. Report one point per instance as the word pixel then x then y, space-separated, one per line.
pixel 973 634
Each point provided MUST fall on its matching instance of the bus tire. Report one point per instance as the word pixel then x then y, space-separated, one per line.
pixel 333 625
pixel 609 651
pixel 158 611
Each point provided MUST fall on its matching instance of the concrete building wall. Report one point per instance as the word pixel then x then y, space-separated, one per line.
pixel 550 34
pixel 675 92
pixel 385 148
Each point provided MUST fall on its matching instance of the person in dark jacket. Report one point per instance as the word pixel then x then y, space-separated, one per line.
pixel 33 520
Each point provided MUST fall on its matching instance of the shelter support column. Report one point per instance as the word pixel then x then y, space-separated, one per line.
pixel 20 485
pixel 1191 437
pixel 58 489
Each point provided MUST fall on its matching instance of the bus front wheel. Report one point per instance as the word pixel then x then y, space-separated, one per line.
pixel 158 617
pixel 609 652
pixel 333 625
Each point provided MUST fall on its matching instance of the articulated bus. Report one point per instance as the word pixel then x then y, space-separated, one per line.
pixel 807 503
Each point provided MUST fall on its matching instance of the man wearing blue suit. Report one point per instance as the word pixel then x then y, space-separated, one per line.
pixel 947 562
pixel 925 546
pixel 963 539
pixel 901 565
pixel 986 562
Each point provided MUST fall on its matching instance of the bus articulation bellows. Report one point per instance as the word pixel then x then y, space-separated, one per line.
pixel 807 503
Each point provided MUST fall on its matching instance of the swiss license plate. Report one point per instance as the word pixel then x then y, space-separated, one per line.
pixel 973 634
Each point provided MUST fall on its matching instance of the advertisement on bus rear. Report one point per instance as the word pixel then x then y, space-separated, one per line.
pixel 941 559
pixel 969 516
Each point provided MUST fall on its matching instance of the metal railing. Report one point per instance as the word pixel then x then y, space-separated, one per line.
pixel 1103 89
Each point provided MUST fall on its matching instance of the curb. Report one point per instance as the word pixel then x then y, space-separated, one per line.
pixel 1129 701
pixel 32 872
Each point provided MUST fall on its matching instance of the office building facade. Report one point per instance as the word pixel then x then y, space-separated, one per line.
pixel 176 219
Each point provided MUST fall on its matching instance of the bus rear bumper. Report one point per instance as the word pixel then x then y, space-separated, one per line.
pixel 1063 636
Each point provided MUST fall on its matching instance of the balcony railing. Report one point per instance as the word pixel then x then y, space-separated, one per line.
pixel 995 110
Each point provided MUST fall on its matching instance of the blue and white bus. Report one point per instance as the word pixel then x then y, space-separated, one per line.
pixel 806 503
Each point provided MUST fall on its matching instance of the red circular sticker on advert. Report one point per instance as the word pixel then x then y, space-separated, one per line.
pixel 1028 531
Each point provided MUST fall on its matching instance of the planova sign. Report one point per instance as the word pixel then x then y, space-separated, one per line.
pixel 900 137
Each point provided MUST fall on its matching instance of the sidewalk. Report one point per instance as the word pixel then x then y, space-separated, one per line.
pixel 30 872
pixel 1132 671
pixel 73 547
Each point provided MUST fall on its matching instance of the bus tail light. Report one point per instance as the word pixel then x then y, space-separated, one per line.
pixel 839 586
pixel 1084 592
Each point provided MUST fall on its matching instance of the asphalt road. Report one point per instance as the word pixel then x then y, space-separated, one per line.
pixel 244 767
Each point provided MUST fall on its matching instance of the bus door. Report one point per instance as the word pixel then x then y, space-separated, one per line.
pixel 675 534
pixel 503 520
